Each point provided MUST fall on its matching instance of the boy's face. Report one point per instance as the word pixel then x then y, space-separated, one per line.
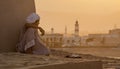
pixel 36 23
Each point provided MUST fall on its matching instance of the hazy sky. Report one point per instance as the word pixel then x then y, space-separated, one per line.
pixel 94 16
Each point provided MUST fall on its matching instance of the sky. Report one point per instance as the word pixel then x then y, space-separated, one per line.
pixel 94 16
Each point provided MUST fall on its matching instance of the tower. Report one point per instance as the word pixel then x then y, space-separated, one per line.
pixel 76 28
pixel 52 30
pixel 65 29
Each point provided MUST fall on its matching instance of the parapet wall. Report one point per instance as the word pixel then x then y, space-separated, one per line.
pixel 12 19
pixel 80 65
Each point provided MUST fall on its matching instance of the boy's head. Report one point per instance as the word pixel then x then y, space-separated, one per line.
pixel 33 18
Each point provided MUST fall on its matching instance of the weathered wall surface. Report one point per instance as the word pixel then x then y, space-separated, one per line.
pixel 81 65
pixel 12 19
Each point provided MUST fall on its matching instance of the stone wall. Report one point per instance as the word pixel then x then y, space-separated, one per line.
pixel 12 19
pixel 80 65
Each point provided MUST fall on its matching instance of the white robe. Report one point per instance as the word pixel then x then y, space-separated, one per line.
pixel 31 39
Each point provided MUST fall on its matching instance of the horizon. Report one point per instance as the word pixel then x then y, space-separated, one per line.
pixel 93 16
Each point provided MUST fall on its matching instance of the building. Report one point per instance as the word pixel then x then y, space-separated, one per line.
pixel 62 40
pixel 12 18
pixel 110 39
pixel 72 40
pixel 114 38
pixel 53 40
pixel 115 31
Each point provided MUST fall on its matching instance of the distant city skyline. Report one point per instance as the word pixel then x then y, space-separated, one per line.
pixel 94 16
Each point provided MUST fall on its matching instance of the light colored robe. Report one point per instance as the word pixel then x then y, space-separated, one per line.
pixel 32 39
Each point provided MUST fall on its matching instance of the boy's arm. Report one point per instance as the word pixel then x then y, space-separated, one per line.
pixel 42 31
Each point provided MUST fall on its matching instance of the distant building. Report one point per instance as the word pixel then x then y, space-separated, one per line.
pixel 53 40
pixel 115 31
pixel 114 37
pixel 68 40
pixel 72 40
pixel 83 41
pixel 62 40
pixel 110 39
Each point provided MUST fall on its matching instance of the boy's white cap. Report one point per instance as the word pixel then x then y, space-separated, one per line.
pixel 32 18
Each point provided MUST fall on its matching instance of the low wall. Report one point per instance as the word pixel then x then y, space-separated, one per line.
pixel 80 65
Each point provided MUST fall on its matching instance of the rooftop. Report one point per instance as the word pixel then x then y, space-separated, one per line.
pixel 14 60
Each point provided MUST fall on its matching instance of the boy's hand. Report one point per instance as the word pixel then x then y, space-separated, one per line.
pixel 42 31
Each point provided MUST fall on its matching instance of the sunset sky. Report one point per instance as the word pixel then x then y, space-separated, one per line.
pixel 94 16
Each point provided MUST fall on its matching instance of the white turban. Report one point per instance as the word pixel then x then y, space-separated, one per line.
pixel 32 18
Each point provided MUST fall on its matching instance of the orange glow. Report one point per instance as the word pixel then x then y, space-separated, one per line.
pixel 94 16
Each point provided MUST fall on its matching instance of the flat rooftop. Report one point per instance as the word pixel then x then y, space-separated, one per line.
pixel 57 60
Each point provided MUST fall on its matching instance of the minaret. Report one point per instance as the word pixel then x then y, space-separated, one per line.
pixel 52 30
pixel 65 30
pixel 76 28
pixel 115 26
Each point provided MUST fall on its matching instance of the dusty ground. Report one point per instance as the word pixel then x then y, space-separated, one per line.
pixel 15 60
